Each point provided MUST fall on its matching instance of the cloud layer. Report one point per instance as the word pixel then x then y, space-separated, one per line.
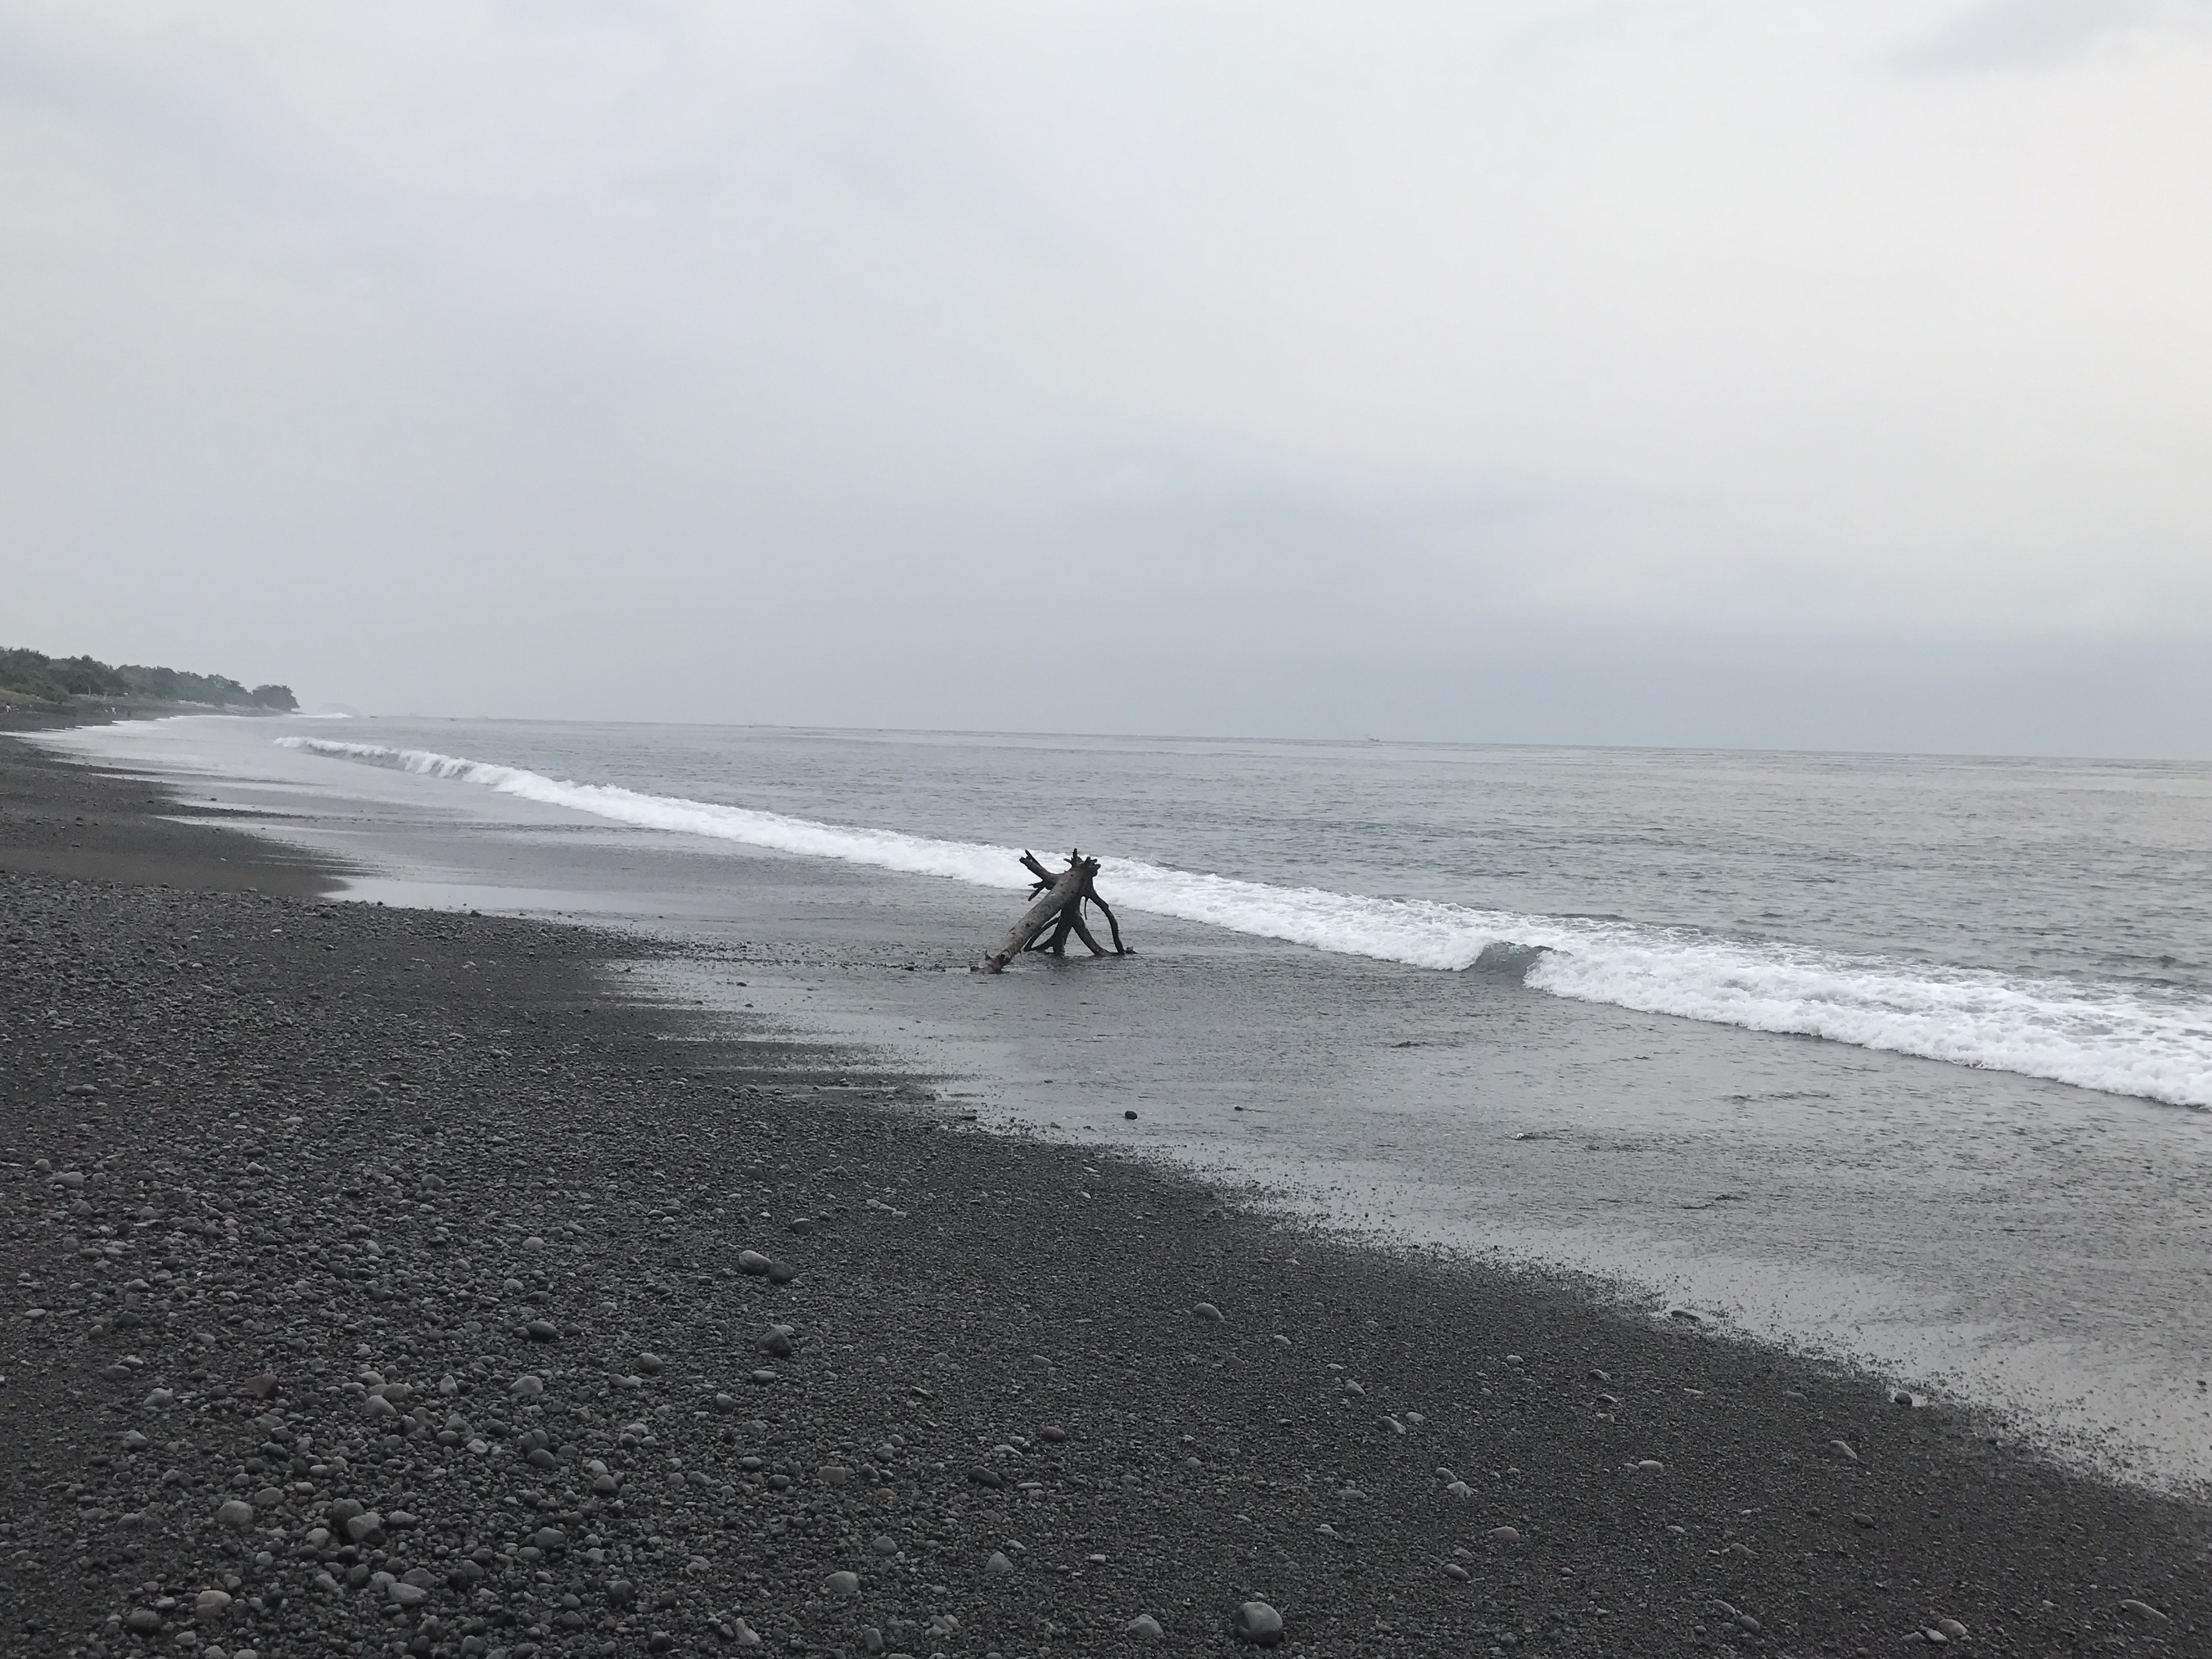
pixel 1589 371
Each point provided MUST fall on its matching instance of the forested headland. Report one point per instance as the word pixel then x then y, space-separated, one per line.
pixel 34 674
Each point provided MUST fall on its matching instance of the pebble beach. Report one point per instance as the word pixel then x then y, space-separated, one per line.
pixel 388 1282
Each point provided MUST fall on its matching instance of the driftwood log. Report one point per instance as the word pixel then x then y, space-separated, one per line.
pixel 1058 898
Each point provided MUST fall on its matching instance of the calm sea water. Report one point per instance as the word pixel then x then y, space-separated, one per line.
pixel 2052 918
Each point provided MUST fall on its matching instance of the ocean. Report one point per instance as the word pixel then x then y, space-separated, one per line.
pixel 1904 1058
pixel 2052 918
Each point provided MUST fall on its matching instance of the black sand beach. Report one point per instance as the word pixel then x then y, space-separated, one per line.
pixel 378 1287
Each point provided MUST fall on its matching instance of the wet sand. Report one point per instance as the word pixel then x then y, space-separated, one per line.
pixel 558 1182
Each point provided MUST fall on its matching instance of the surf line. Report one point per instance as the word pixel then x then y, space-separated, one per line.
pixel 2093 1036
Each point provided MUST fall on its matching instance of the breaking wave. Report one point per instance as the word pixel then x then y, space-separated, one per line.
pixel 2093 1036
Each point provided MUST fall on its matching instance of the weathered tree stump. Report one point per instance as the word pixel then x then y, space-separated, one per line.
pixel 1059 899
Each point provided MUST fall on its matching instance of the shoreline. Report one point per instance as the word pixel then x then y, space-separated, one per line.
pixel 952 1292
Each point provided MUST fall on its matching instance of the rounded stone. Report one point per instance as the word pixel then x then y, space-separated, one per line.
pixel 752 1261
pixel 237 1514
pixel 998 1566
pixel 1208 1312
pixel 1257 1623
pixel 1144 1628
pixel 842 1583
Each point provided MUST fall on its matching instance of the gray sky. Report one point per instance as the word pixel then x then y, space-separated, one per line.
pixel 1765 372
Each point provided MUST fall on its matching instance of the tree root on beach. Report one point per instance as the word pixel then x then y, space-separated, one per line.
pixel 1058 899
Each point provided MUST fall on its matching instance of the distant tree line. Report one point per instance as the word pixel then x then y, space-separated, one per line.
pixel 56 679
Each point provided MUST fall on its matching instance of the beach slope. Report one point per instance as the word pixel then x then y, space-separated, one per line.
pixel 384 1282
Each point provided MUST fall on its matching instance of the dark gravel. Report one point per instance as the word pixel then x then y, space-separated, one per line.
pixel 375 1285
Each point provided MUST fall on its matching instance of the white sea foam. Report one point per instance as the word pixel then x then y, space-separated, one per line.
pixel 2096 1037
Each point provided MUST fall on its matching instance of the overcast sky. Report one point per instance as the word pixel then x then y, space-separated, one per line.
pixel 1731 371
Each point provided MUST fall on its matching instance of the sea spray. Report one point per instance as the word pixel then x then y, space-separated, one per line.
pixel 2093 1036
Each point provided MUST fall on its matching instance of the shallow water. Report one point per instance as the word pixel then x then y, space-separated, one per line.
pixel 2007 1236
pixel 2049 918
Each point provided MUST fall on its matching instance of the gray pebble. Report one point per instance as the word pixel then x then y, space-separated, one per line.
pixel 1257 1623
pixel 998 1566
pixel 1144 1628
pixel 842 1583
pixel 1208 1312
pixel 237 1514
